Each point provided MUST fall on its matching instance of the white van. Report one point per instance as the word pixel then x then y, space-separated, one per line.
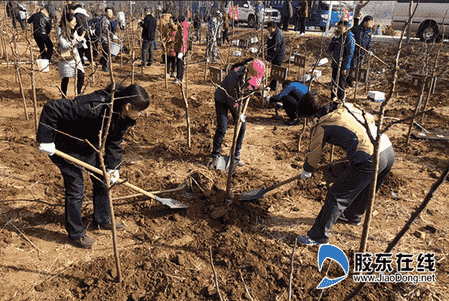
pixel 427 21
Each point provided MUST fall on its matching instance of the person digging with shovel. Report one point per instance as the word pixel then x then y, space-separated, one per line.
pixel 65 125
pixel 241 80
pixel 346 200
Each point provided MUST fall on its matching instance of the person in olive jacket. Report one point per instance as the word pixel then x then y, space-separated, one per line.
pixel 348 197
pixel 41 32
pixel 83 118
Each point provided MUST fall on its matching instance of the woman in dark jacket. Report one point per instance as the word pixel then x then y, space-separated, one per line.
pixel 82 118
pixel 41 32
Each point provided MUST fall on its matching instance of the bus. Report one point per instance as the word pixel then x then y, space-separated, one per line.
pixel 319 12
pixel 427 23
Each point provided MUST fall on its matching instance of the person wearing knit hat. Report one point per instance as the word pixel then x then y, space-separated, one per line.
pixel 242 79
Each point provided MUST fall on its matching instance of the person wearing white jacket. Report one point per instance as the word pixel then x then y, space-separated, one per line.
pixel 69 59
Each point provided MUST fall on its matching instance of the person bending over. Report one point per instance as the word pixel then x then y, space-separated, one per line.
pixel 82 118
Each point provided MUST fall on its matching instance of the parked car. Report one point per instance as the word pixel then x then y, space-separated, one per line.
pixel 246 13
pixel 427 21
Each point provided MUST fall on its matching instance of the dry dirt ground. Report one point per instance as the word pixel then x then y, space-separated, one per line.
pixel 164 253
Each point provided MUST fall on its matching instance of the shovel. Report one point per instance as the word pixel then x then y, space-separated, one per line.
pixel 260 193
pixel 174 204
pixel 223 163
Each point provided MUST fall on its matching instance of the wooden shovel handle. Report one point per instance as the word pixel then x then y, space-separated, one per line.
pixel 98 171
pixel 321 168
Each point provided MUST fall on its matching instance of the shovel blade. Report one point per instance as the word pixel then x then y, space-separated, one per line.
pixel 174 204
pixel 252 195
pixel 223 162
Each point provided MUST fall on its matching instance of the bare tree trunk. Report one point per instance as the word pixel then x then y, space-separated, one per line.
pixel 19 76
pixel 409 28
pixel 241 112
pixel 103 166
pixel 418 105
pixel 184 96
pixel 33 88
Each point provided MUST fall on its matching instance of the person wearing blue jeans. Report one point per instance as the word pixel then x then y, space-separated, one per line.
pixel 348 197
pixel 240 81
pixel 63 120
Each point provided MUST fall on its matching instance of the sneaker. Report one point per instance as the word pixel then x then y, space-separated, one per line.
pixel 354 222
pixel 176 81
pixel 84 242
pixel 306 240
pixel 119 226
pixel 172 74
pixel 238 161
pixel 294 121
pixel 215 160
pixel 105 69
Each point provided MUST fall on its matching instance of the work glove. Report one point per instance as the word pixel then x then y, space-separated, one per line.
pixel 114 175
pixel 47 148
pixel 305 174
pixel 370 53
pixel 180 55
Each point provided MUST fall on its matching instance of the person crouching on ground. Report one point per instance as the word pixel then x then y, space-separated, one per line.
pixel 82 118
pixel 69 58
pixel 290 96
pixel 347 199
pixel 240 81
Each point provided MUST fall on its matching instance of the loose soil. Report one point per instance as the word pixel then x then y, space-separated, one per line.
pixel 164 253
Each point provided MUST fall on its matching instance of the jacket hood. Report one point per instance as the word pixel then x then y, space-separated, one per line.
pixel 81 10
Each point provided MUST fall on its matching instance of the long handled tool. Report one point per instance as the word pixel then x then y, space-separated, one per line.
pixel 375 56
pixel 260 193
pixel 166 201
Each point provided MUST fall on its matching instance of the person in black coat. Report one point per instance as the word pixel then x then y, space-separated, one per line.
pixel 93 24
pixel 362 35
pixel 275 48
pixel 82 119
pixel 41 32
pixel 149 25
pixel 345 37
